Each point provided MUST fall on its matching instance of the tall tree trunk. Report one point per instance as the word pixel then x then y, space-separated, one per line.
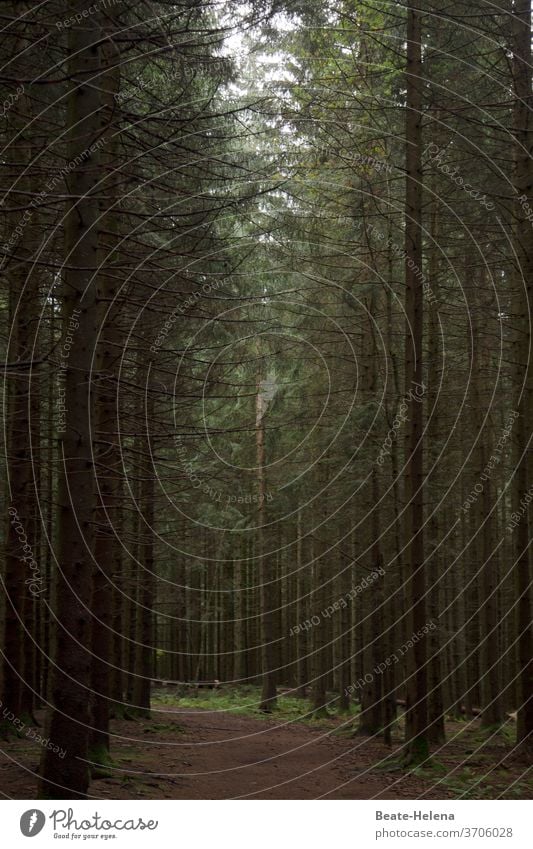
pixel 523 295
pixel 436 730
pixel 268 692
pixel 68 777
pixel 416 706
pixel 107 451
pixel 23 573
pixel 302 608
pixel 373 705
pixel 487 526
pixel 146 633
pixel 344 637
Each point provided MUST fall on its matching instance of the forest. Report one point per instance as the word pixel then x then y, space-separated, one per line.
pixel 266 283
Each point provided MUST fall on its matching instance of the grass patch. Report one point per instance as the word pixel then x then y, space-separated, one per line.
pixel 471 784
pixel 245 701
pixel 432 767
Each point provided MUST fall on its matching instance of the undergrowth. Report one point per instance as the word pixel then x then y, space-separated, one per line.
pixel 245 701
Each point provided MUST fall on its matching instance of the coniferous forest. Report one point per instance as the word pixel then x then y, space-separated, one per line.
pixel 267 471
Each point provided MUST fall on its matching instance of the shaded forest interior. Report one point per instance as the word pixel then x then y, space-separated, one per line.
pixel 266 321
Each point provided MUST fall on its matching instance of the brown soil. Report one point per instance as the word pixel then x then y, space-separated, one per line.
pixel 201 754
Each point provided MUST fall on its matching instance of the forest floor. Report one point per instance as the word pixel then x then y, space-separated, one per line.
pixel 217 746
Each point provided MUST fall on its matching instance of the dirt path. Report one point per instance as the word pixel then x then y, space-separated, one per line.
pixel 200 754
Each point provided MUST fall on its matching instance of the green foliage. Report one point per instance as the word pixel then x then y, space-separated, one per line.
pixel 101 763
pixel 489 784
pixel 245 701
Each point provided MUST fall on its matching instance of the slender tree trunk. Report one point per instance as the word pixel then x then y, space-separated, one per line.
pixel 268 692
pixel 344 638
pixel 68 777
pixel 436 730
pixel 302 609
pixel 489 654
pixel 523 289
pixel 320 601
pixel 416 707
pixel 23 580
pixel 108 450
pixel 373 708
pixel 146 632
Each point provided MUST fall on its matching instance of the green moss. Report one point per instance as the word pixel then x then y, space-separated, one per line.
pixel 320 713
pixel 138 713
pixel 129 714
pixel 101 761
pixel 391 764
pixel 489 732
pixel 416 753
pixel 431 766
pixel 7 730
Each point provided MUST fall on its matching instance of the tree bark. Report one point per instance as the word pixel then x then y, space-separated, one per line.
pixel 416 707
pixel 268 692
pixel 108 450
pixel 523 294
pixel 68 777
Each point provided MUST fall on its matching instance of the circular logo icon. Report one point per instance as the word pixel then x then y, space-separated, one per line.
pixel 32 822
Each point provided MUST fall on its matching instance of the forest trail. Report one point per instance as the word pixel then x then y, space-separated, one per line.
pixel 210 754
